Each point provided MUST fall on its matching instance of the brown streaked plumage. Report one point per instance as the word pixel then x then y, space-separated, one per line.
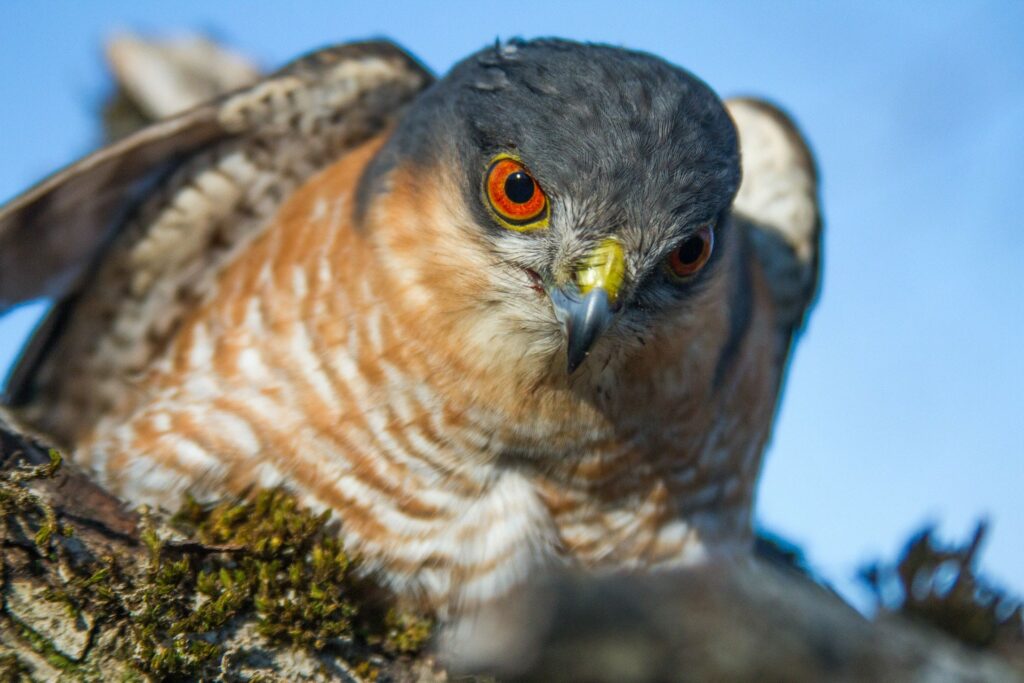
pixel 317 297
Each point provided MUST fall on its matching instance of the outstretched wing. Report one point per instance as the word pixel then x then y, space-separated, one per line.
pixel 129 237
pixel 778 201
pixel 49 234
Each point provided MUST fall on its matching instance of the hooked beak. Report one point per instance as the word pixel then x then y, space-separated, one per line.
pixel 586 305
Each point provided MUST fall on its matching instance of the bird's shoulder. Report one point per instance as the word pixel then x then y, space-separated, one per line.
pixel 778 206
pixel 129 238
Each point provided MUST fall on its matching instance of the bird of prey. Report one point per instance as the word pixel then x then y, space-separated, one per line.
pixel 522 316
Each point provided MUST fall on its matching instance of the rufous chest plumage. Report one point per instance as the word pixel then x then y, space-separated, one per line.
pixel 489 338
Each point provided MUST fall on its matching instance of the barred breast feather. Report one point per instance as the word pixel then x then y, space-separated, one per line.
pixel 226 320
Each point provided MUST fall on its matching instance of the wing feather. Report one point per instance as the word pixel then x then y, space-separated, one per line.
pixel 129 244
pixel 50 234
pixel 778 202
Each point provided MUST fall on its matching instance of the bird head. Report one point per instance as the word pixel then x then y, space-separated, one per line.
pixel 550 202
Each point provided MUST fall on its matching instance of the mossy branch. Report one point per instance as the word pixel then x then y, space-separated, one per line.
pixel 257 587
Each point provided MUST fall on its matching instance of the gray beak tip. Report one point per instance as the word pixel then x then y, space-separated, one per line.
pixel 585 320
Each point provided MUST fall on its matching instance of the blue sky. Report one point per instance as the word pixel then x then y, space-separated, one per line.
pixel 905 403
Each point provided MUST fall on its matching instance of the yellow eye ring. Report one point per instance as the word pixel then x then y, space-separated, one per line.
pixel 513 196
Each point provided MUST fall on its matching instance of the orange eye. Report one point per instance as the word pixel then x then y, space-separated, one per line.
pixel 691 255
pixel 514 196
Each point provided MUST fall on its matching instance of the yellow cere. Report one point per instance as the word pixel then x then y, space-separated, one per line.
pixel 605 267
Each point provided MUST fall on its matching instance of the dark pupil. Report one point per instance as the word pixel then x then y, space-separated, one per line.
pixel 691 249
pixel 519 187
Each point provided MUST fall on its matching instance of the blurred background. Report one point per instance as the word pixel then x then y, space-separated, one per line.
pixel 905 402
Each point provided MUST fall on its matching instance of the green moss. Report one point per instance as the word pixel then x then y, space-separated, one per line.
pixel 17 500
pixel 47 651
pixel 266 559
pixel 282 564
pixel 407 633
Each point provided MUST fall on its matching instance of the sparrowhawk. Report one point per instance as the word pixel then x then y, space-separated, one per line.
pixel 524 315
